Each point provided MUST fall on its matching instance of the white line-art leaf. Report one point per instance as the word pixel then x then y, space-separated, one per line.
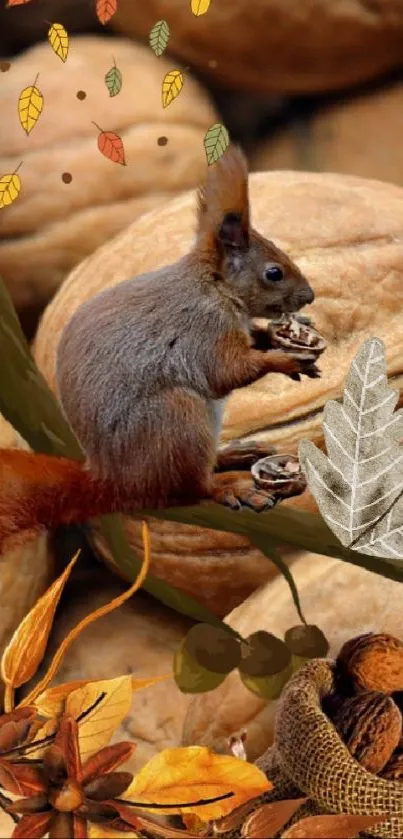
pixel 358 486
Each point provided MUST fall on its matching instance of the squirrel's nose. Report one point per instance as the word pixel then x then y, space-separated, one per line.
pixel 309 295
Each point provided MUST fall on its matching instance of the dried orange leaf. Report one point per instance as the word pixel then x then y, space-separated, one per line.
pixel 98 613
pixel 268 819
pixel 43 733
pixel 25 651
pixel 105 10
pixel 32 827
pixel 332 827
pixel 106 760
pixel 17 2
pixel 20 779
pixel 98 726
pixel 99 831
pixel 184 775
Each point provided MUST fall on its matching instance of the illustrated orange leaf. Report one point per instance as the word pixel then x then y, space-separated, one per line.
pixel 51 702
pixel 191 774
pixel 17 3
pixel 332 827
pixel 32 827
pixel 106 9
pixel 20 778
pixel 93 616
pixel 111 146
pixel 26 649
pixel 106 760
pixel 268 819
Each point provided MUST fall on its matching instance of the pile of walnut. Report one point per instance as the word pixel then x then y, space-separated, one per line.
pixel 367 704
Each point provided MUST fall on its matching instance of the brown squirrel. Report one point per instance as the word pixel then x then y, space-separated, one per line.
pixel 144 368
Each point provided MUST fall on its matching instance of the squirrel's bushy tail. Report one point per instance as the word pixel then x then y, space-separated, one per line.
pixel 39 492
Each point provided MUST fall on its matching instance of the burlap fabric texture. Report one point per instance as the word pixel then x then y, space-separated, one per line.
pixel 308 758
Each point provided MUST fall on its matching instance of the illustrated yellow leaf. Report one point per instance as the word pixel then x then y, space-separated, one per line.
pixel 200 7
pixel 59 40
pixel 25 651
pixel 51 703
pixel 10 187
pixel 159 37
pixel 216 141
pixel 98 613
pixel 99 831
pixel 40 742
pixel 108 711
pixel 192 774
pixel 171 86
pixel 30 106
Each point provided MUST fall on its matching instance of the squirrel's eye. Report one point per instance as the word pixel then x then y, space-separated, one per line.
pixel 273 273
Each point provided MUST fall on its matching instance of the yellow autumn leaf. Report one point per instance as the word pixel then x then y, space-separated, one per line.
pixel 200 7
pixel 99 831
pixel 25 651
pixel 171 86
pixel 59 40
pixel 192 774
pixel 36 750
pixel 30 106
pixel 102 714
pixel 51 703
pixel 10 187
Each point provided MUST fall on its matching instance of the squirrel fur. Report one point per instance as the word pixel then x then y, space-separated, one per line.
pixel 144 368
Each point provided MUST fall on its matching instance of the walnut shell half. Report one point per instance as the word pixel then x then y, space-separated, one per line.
pixel 370 725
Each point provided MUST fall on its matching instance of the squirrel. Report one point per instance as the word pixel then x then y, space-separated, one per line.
pixel 143 371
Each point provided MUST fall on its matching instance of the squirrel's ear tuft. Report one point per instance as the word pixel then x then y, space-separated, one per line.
pixel 233 233
pixel 223 202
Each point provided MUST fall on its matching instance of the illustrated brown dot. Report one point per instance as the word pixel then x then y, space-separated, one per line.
pixel 81 94
pixel 4 66
pixel 67 178
pixel 162 141
pixel 212 64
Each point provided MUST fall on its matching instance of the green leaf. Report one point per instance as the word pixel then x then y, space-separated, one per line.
pixel 114 80
pixel 190 676
pixel 159 37
pixel 28 404
pixel 216 141
pixel 306 531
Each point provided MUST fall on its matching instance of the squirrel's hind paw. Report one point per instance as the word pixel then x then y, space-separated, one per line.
pixel 238 490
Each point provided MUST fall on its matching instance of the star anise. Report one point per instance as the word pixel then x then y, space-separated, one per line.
pixel 17 728
pixel 68 794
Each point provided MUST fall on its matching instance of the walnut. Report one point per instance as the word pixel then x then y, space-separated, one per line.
pixel 372 662
pixel 393 771
pixel 291 333
pixel 371 726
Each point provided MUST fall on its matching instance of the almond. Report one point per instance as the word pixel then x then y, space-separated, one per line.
pixel 371 726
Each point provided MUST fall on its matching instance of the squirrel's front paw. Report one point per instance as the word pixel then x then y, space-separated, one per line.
pixel 302 364
pixel 238 490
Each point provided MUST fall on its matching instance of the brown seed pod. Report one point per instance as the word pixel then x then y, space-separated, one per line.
pixel 372 662
pixel 371 726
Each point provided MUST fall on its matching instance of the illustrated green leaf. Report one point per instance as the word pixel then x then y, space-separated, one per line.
pixel 216 141
pixel 114 80
pixel 159 37
pixel 358 486
pixel 190 676
pixel 267 687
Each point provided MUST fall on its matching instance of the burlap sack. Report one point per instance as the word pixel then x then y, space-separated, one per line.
pixel 308 758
